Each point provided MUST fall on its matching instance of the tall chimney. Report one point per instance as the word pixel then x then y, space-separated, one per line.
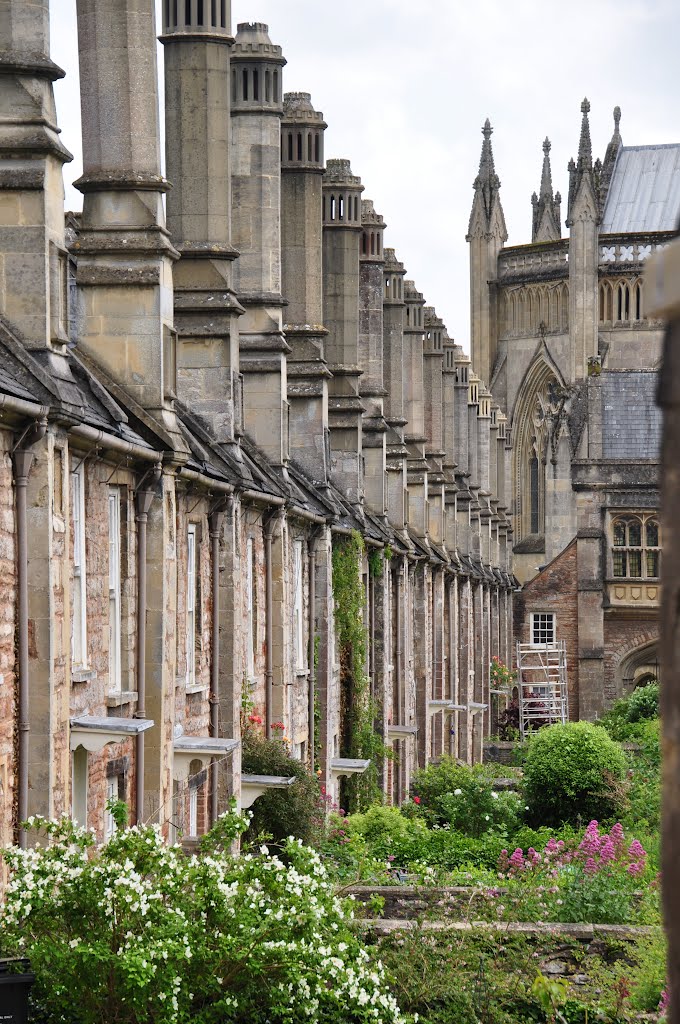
pixel 197 40
pixel 371 388
pixel 124 253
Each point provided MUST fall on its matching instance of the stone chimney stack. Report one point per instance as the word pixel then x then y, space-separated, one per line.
pixel 256 111
pixel 342 232
pixel 433 388
pixel 414 408
pixel 302 166
pixel 449 437
pixel 33 279
pixel 124 253
pixel 393 378
pixel 197 143
pixel 371 388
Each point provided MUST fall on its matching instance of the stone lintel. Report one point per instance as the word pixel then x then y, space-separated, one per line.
pixel 303 389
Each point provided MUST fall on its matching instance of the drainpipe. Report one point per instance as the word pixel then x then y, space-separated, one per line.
pixel 144 502
pixel 311 736
pixel 453 655
pixel 215 521
pixel 23 460
pixel 269 606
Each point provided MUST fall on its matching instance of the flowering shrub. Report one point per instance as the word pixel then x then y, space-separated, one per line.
pixel 593 881
pixel 280 813
pixel 500 676
pixel 463 798
pixel 137 933
pixel 574 772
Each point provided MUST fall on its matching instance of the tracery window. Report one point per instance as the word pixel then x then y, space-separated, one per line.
pixel 636 549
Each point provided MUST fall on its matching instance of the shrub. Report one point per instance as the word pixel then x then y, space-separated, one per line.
pixel 280 813
pixel 463 798
pixel 621 721
pixel 574 772
pixel 138 933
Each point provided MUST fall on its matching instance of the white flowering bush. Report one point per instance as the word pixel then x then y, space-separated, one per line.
pixel 138 933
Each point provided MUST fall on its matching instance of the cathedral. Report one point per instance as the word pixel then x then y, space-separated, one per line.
pixel 219 388
pixel 560 332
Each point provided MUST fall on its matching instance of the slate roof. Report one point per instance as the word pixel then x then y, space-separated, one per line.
pixel 644 194
pixel 631 420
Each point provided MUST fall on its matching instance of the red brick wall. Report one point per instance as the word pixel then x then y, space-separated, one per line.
pixel 554 590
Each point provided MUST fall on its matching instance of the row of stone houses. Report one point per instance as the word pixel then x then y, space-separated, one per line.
pixel 195 413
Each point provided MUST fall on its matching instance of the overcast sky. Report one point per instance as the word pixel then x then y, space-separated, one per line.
pixel 405 88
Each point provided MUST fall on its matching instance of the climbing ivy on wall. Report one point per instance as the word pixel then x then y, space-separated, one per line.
pixel 358 710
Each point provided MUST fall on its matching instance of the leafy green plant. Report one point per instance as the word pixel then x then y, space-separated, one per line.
pixel 137 933
pixel 463 798
pixel 623 718
pixel 574 772
pixel 359 712
pixel 280 813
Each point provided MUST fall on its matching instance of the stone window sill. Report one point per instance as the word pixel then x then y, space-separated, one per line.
pixel 82 675
pixel 120 697
pixel 197 688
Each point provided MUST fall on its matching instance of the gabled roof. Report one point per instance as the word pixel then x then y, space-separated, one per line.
pixel 644 194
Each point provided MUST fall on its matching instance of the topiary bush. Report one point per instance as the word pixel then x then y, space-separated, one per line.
pixel 574 772
pixel 280 813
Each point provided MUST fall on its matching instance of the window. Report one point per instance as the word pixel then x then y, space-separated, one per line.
pixel 193 812
pixel 111 794
pixel 79 786
pixel 635 547
pixel 250 611
pixel 543 628
pixel 79 620
pixel 114 591
pixel 192 615
pixel 298 607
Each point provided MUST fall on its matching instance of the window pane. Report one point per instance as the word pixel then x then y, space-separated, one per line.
pixel 619 563
pixel 619 534
pixel 653 563
pixel 635 564
pixel 634 534
pixel 652 530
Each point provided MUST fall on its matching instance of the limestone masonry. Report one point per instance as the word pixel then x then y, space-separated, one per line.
pixel 202 397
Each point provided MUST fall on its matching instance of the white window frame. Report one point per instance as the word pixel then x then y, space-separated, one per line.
pixel 192 562
pixel 79 657
pixel 111 794
pixel 193 812
pixel 536 621
pixel 115 673
pixel 298 607
pixel 250 612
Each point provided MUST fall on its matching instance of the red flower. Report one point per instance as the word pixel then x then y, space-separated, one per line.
pixel 278 725
pixel 255 719
pixel 416 799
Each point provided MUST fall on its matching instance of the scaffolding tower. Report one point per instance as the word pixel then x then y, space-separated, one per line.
pixel 542 685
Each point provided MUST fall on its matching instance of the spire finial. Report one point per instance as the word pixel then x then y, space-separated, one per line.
pixel 617 118
pixel 546 145
pixel 487 129
pixel 585 149
pixel 545 227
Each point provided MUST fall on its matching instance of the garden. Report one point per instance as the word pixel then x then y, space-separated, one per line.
pixel 493 895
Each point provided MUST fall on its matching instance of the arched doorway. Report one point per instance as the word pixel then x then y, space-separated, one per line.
pixel 638 668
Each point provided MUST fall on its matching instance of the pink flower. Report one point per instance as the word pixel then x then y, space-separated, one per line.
pixel 590 867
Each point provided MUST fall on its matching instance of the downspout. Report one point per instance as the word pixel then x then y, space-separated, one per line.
pixel 144 502
pixel 23 460
pixel 453 696
pixel 215 521
pixel 311 651
pixel 269 606
pixel 401 717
